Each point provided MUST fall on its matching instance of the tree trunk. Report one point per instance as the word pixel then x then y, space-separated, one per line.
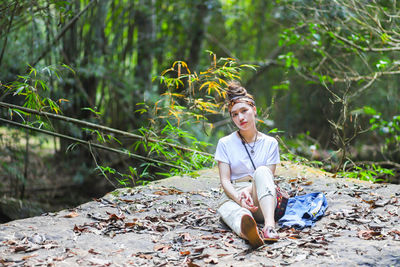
pixel 145 41
pixel 198 27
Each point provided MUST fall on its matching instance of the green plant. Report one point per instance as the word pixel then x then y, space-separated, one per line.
pixel 33 86
pixel 369 172
pixel 389 129
pixel 187 160
pixel 191 96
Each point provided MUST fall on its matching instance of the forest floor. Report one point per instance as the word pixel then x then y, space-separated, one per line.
pixel 174 222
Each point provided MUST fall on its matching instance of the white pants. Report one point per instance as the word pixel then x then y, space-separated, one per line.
pixel 232 213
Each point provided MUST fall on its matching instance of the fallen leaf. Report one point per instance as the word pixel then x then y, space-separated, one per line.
pixel 80 229
pixel 101 262
pixel 396 234
pixel 199 249
pixel 368 234
pixel 29 256
pixel 228 244
pixel 169 191
pixel 20 248
pixel 163 248
pixel 91 251
pixel 133 224
pixel 143 256
pixel 126 200
pixel 191 264
pixel 208 237
pixel 114 217
pixel 211 260
pixel 72 215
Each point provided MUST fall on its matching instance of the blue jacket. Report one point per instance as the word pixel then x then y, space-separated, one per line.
pixel 303 211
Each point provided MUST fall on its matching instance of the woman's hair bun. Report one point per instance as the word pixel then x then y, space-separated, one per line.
pixel 235 89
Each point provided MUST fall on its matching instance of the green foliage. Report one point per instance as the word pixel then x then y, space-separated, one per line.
pixel 33 87
pixel 188 161
pixel 388 129
pixel 192 96
pixel 318 61
pixel 372 173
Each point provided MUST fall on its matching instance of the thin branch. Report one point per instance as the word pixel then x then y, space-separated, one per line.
pixel 368 77
pixel 88 143
pixel 359 91
pixel 366 49
pixel 99 127
pixel 97 165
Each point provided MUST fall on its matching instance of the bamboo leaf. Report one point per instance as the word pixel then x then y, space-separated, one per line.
pixel 68 67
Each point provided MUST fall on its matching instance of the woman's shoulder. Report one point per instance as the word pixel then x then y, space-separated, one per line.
pixel 229 138
pixel 267 138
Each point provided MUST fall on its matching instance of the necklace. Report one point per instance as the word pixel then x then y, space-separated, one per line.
pixel 251 147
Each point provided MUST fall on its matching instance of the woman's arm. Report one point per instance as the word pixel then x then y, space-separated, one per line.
pixel 225 178
pixel 272 167
pixel 243 198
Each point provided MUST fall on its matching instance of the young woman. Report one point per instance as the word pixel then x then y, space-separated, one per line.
pixel 249 188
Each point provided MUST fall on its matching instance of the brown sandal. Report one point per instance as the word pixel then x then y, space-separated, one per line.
pixel 250 231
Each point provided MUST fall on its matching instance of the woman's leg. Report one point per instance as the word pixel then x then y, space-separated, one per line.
pixel 264 195
pixel 240 220
pixel 231 213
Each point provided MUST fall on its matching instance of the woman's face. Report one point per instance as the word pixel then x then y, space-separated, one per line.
pixel 243 115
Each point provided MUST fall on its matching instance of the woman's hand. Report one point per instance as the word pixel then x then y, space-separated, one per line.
pixel 246 201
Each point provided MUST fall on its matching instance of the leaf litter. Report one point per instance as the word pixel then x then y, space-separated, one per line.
pixel 186 230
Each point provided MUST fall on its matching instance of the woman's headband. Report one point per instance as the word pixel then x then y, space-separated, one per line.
pixel 241 99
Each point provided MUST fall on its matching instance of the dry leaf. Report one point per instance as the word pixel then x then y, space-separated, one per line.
pixel 163 248
pixel 143 256
pixel 91 251
pixel 208 237
pixel 80 229
pixel 101 262
pixel 114 217
pixel 368 234
pixel 72 215
pixel 29 256
pixel 191 264
pixel 211 260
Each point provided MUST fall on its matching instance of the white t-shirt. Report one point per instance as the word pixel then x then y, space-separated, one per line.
pixel 231 150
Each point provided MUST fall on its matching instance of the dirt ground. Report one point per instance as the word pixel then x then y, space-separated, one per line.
pixel 173 222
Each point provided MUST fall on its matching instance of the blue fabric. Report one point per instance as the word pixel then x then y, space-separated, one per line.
pixel 304 211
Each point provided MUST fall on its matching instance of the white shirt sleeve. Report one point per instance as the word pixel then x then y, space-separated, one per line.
pixel 273 153
pixel 221 153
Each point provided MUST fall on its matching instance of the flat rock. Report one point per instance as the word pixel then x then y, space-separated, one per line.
pixel 174 222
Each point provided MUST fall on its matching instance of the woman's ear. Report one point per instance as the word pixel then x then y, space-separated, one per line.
pixel 255 110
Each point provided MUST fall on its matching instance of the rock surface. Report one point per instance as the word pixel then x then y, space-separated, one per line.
pixel 173 222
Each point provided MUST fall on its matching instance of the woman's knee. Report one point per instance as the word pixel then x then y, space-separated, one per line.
pixel 263 172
